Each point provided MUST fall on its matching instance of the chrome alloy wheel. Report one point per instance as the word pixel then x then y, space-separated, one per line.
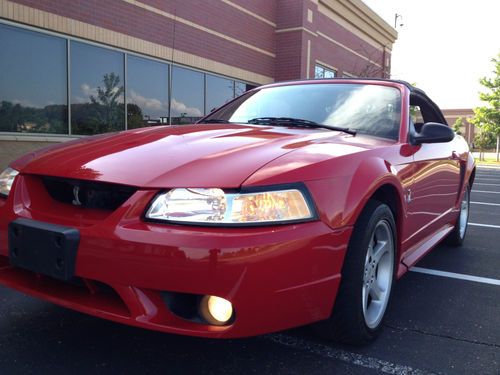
pixel 378 274
pixel 464 213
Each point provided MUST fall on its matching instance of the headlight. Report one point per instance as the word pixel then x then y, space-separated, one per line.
pixel 6 180
pixel 214 206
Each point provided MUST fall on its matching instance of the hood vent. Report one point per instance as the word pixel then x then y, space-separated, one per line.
pixel 87 194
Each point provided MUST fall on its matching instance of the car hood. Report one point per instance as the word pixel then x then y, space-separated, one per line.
pixel 221 155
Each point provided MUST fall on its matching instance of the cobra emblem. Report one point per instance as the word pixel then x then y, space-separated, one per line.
pixel 76 195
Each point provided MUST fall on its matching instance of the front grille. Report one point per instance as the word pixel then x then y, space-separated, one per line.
pixel 87 194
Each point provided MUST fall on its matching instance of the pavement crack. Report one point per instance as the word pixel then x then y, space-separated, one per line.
pixel 420 331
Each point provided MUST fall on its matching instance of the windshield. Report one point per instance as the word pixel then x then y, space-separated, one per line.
pixel 367 109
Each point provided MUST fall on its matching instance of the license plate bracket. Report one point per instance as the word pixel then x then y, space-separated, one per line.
pixel 44 248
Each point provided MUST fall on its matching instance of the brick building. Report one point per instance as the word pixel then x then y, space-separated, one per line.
pixel 72 68
pixel 467 129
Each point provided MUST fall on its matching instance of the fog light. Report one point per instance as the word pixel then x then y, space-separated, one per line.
pixel 216 310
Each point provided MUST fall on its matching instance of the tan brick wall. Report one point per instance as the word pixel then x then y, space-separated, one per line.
pixel 12 150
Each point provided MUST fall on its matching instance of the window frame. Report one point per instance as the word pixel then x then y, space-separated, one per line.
pixel 325 69
pixel 125 52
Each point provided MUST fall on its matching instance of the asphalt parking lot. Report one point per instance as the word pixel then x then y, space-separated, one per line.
pixel 444 318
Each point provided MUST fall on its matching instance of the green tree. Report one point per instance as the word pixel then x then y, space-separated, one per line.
pixel 459 123
pixel 487 118
pixel 483 141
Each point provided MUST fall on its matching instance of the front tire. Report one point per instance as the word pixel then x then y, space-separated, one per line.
pixel 367 278
pixel 457 235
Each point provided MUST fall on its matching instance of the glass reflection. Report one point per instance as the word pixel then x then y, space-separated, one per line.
pixel 219 91
pixel 147 92
pixel 97 101
pixel 241 87
pixel 32 82
pixel 187 104
pixel 368 109
pixel 322 72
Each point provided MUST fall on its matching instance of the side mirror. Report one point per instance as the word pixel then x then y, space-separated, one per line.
pixel 433 132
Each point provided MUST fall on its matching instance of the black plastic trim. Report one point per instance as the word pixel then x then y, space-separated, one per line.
pixel 245 190
pixel 44 248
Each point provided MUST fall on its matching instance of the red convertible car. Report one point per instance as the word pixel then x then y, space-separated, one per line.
pixel 296 203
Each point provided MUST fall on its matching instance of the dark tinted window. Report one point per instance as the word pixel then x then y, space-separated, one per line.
pixel 147 92
pixel 97 104
pixel 188 102
pixel 32 82
pixel 219 91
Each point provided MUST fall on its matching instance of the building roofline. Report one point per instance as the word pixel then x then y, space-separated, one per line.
pixel 360 15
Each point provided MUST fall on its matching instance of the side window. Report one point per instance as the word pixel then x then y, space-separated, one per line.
pixel 416 117
pixel 423 110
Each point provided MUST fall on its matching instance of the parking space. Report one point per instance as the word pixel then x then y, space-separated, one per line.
pixel 437 322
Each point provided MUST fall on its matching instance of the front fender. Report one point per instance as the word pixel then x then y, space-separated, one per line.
pixel 372 174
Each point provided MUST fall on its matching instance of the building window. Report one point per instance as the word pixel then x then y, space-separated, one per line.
pixel 33 97
pixel 188 100
pixel 241 87
pixel 97 100
pixel 147 92
pixel 35 91
pixel 321 72
pixel 219 91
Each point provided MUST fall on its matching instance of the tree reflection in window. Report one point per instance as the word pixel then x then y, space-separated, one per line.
pixel 104 113
pixel 97 92
pixel 32 82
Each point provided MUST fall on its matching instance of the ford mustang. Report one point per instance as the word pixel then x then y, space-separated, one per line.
pixel 296 203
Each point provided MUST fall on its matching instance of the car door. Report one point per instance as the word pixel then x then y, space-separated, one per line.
pixel 436 178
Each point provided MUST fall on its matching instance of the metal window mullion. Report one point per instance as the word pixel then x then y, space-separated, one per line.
pixel 125 83
pixel 169 84
pixel 68 83
pixel 204 94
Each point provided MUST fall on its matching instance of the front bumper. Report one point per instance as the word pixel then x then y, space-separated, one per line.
pixel 276 277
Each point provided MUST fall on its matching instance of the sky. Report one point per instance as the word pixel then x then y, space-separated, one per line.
pixel 444 46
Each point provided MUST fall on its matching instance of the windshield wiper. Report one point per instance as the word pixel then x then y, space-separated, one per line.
pixel 290 121
pixel 214 121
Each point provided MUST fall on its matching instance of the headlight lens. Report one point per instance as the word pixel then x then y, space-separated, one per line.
pixel 6 180
pixel 214 206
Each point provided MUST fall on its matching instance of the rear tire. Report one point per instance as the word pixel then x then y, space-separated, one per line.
pixel 367 278
pixel 457 236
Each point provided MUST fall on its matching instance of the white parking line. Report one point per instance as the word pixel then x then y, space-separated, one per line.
pixel 485 225
pixel 343 355
pixel 486 204
pixel 488 192
pixel 459 276
pixel 483 183
pixel 486 179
